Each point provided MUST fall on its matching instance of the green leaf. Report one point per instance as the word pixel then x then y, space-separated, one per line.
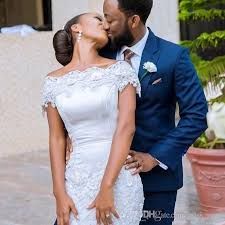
pixel 202 14
pixel 211 70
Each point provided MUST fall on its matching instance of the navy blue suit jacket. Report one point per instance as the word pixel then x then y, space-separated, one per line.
pixel 156 132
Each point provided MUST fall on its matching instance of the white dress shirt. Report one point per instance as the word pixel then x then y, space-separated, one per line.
pixel 138 49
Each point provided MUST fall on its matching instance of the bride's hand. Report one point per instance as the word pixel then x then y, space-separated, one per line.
pixel 104 204
pixel 64 204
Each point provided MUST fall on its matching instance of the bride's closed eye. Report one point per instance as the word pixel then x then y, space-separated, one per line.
pixel 99 18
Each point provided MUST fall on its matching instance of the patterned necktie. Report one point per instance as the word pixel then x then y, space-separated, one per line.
pixel 128 54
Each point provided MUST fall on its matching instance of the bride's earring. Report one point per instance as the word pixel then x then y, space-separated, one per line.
pixel 79 36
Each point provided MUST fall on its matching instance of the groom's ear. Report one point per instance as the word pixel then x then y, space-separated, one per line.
pixel 135 21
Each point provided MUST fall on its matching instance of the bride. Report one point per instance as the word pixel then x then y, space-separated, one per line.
pixel 94 99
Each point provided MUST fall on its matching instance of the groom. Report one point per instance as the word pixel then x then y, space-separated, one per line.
pixel 170 78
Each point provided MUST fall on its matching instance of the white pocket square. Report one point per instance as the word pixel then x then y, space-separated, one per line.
pixel 157 81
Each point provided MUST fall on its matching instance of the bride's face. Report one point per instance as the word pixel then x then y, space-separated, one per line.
pixel 92 26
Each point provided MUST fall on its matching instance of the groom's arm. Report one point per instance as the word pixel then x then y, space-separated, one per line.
pixel 193 109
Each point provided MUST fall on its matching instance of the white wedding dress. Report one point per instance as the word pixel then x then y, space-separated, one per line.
pixel 87 102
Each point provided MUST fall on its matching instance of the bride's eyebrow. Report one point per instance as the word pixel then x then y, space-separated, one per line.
pixel 98 17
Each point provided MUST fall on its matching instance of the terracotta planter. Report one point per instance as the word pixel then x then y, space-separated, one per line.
pixel 208 168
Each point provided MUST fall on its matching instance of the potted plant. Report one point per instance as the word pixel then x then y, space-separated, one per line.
pixel 207 155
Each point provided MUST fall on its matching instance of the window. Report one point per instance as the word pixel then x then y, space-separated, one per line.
pixel 36 13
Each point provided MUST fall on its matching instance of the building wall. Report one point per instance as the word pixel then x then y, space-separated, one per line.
pixel 164 19
pixel 23 64
pixel 24 61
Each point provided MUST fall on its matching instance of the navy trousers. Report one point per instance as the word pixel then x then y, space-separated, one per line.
pixel 159 208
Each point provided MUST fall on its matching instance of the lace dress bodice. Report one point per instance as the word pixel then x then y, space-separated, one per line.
pixel 88 100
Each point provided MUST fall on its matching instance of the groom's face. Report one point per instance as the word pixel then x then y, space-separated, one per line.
pixel 118 28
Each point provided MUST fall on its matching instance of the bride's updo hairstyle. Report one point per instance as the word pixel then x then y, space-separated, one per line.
pixel 63 42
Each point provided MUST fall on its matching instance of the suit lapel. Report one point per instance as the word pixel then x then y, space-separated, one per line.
pixel 150 54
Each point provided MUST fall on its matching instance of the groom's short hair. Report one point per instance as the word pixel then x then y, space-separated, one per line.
pixel 141 8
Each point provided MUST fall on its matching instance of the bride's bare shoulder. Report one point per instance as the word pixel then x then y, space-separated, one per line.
pixel 57 73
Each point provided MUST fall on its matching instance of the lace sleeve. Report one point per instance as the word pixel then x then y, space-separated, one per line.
pixel 48 93
pixel 127 75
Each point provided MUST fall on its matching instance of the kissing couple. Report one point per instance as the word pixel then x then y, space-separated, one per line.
pixel 113 103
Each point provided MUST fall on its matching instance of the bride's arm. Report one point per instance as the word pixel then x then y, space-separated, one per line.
pixel 57 145
pixel 122 139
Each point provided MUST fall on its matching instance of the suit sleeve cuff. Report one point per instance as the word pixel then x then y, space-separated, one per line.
pixel 162 165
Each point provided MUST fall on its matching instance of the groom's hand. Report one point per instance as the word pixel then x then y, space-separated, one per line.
pixel 142 162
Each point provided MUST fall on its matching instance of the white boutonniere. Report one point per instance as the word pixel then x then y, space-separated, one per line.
pixel 150 67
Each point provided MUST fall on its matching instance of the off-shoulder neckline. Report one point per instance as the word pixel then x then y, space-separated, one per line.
pixel 85 70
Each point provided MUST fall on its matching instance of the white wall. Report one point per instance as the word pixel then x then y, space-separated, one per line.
pixel 24 61
pixel 63 10
pixel 164 19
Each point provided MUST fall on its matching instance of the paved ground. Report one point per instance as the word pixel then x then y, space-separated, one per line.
pixel 26 194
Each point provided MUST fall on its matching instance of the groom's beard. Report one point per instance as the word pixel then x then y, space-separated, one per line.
pixel 125 38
